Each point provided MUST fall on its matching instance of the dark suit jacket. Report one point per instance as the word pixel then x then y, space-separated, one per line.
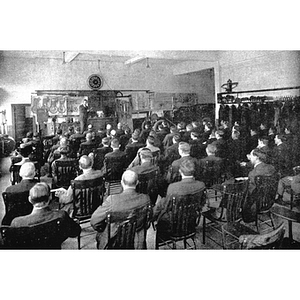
pixel 70 228
pixel 83 113
pixel 24 186
pixel 131 150
pixel 127 200
pixel 99 157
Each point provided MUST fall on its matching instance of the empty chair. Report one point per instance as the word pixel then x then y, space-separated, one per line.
pixel 16 205
pixel 128 224
pixel 270 240
pixel 65 171
pixel 183 213
pixel 87 196
pixel 46 235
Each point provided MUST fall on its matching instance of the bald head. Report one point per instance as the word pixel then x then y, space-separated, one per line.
pixel 129 179
pixel 27 170
pixel 85 162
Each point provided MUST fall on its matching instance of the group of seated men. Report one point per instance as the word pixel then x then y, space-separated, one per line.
pixel 179 150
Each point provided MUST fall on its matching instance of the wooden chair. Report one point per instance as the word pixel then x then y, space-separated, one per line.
pixel 148 184
pixel 42 236
pixel 115 168
pixel 16 205
pixel 15 176
pixel 128 224
pixel 270 240
pixel 87 196
pixel 180 221
pixel 265 192
pixel 64 172
pixel 235 195
pixel 87 149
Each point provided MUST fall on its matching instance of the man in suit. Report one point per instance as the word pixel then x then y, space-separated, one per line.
pixel 258 159
pixel 66 196
pixel 184 152
pixel 132 147
pixel 100 153
pixel 27 172
pixel 281 157
pixel 128 200
pixel 83 114
pixel 187 186
pixel 88 146
pixel 39 196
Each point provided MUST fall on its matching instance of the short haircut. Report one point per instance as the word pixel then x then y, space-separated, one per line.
pixel 146 154
pixel 173 129
pixel 187 167
pixel 195 133
pixel 176 138
pixel 115 143
pixel 220 132
pixel 264 140
pixel 260 154
pixel 39 193
pixel 189 127
pixel 105 141
pixel 130 178
pixel 184 147
pixel 85 162
pixel 151 140
pixel 211 148
pixel 27 170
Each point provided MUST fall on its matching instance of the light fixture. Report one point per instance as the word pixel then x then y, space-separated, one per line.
pixel 147 66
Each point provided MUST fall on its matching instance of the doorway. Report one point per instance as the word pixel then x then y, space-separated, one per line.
pixel 22 121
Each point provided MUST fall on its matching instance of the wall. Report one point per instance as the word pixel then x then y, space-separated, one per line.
pixel 20 76
pixel 260 69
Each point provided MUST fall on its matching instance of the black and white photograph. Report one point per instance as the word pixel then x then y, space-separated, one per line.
pixel 189 144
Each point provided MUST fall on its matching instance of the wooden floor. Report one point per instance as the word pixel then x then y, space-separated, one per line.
pixel 88 234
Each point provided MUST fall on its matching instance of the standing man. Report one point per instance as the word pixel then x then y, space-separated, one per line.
pixel 83 114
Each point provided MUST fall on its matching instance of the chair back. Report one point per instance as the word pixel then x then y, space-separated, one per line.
pixel 115 167
pixel 184 214
pixel 148 184
pixel 15 176
pixel 74 146
pixel 212 173
pixel 234 195
pixel 65 171
pixel 42 236
pixel 270 240
pixel 155 157
pixel 16 205
pixel 87 149
pixel 128 222
pixel 265 192
pixel 87 196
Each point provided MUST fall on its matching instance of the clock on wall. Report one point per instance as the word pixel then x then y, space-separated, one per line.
pixel 95 82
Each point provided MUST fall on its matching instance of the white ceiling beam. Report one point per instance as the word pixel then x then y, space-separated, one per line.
pixel 69 56
pixel 134 60
pixel 192 66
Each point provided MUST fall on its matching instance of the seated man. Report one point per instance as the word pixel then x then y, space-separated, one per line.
pixel 184 152
pixel 88 146
pixel 129 199
pixel 258 159
pixel 39 196
pixel 187 186
pixel 288 181
pixel 101 152
pixel 66 196
pixel 27 172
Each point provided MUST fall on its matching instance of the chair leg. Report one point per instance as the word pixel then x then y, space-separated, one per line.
pixel 203 231
pixel 184 243
pixel 224 239
pixel 78 239
pixel 174 245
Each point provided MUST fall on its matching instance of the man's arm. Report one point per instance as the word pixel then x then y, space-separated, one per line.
pixel 99 214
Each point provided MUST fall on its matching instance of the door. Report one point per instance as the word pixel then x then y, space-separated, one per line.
pixel 21 120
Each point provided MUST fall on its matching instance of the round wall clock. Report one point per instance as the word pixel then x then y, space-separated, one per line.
pixel 95 82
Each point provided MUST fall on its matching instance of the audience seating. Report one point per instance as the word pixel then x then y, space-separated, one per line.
pixel 16 205
pixel 65 171
pixel 183 213
pixel 87 196
pixel 42 236
pixel 235 195
pixel 129 222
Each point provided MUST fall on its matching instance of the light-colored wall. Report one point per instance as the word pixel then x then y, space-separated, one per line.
pixel 20 76
pixel 260 69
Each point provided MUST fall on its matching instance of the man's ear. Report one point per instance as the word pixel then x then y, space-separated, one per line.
pixel 29 199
